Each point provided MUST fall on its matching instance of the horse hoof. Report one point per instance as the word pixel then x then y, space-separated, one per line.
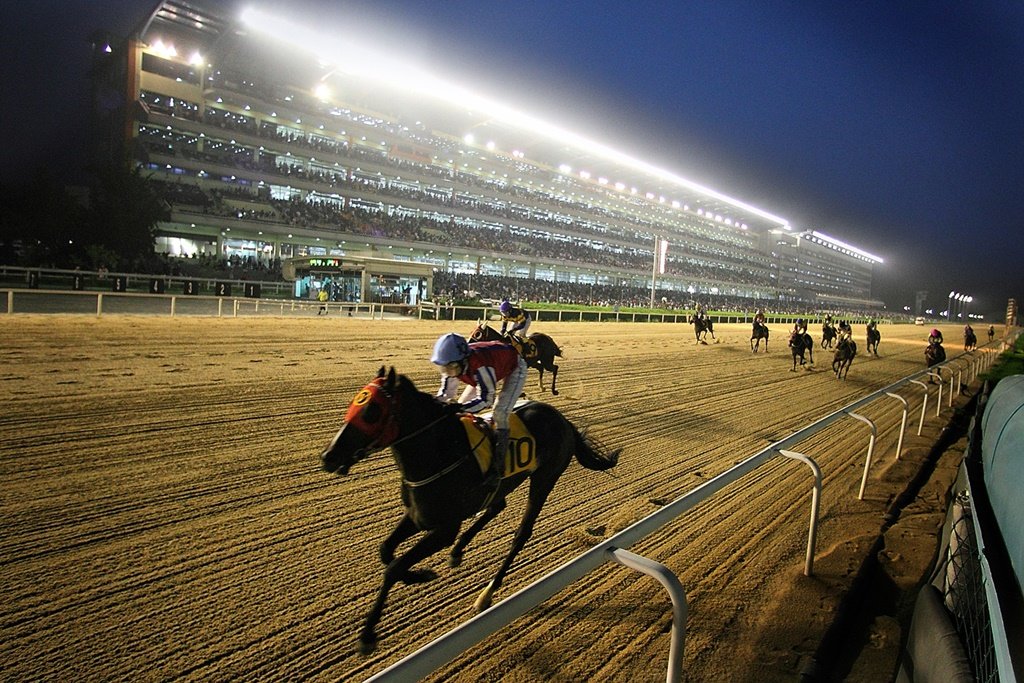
pixel 554 393
pixel 367 643
pixel 455 559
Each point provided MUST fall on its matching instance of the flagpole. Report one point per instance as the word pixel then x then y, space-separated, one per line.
pixel 654 270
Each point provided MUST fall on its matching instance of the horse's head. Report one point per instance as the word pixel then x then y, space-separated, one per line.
pixel 370 425
pixel 481 333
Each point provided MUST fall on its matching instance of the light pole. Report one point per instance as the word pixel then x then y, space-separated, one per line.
pixel 967 301
pixel 949 309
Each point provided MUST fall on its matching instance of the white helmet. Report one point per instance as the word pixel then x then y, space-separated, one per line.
pixel 450 348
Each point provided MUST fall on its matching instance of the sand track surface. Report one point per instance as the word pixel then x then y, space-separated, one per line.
pixel 165 518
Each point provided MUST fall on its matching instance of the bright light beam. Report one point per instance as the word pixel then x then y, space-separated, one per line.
pixel 365 61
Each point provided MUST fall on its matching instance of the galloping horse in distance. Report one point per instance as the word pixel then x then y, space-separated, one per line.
pixel 874 336
pixel 701 328
pixel 759 332
pixel 828 335
pixel 842 359
pixel 970 339
pixel 799 344
pixel 443 478
pixel 546 347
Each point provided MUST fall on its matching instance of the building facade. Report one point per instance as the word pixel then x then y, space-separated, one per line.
pixel 264 156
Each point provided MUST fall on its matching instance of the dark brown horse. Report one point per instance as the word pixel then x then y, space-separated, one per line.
pixel 547 351
pixel 970 340
pixel 702 327
pixel 799 344
pixel 442 481
pixel 934 354
pixel 759 332
pixel 828 335
pixel 842 359
pixel 873 336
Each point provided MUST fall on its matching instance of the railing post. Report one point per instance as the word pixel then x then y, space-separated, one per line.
pixel 812 532
pixel 871 449
pixel 10 301
pixel 938 399
pixel 99 304
pixel 676 593
pixel 903 421
pixel 924 403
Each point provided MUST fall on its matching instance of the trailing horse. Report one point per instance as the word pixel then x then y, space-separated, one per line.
pixel 543 359
pixel 874 336
pixel 438 452
pixel 701 328
pixel 759 332
pixel 828 335
pixel 799 344
pixel 970 341
pixel 842 358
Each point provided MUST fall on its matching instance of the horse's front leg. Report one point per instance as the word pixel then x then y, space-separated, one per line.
pixel 400 570
pixel 403 531
pixel 554 378
pixel 492 511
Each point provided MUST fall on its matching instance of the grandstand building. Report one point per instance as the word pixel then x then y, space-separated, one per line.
pixel 266 156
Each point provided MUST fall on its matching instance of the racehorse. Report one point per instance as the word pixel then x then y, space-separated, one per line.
pixel 874 336
pixel 842 359
pixel 759 332
pixel 800 343
pixel 970 341
pixel 933 355
pixel 828 335
pixel 546 347
pixel 701 328
pixel 442 481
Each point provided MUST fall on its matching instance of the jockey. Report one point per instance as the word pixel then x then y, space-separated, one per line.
pixel 935 337
pixel 800 327
pixel 968 330
pixel 482 365
pixel 828 319
pixel 759 316
pixel 700 311
pixel 518 316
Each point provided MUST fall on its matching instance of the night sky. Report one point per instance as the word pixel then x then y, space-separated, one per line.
pixel 897 127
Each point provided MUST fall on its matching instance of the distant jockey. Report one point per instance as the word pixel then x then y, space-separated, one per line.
pixel 518 316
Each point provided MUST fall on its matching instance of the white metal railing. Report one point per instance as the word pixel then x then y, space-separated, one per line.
pixel 450 645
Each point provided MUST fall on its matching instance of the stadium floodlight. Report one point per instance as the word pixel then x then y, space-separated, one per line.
pixel 837 243
pixel 365 60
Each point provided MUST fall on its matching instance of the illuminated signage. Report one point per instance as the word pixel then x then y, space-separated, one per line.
pixel 325 263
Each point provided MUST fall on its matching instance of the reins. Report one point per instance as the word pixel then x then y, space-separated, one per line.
pixel 434 477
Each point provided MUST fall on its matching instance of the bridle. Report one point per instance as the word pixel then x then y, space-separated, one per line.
pixel 389 428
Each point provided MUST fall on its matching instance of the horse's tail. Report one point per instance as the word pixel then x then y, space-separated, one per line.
pixel 592 454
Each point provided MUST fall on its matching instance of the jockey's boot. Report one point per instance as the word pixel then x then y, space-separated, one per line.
pixel 497 470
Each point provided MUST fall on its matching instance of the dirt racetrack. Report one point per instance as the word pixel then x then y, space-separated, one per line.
pixel 164 516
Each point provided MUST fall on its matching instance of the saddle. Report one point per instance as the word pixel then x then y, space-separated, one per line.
pixel 522 452
pixel 526 347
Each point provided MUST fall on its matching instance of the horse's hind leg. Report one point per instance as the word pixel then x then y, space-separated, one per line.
pixel 534 502
pixel 492 511
pixel 399 570
pixel 554 378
